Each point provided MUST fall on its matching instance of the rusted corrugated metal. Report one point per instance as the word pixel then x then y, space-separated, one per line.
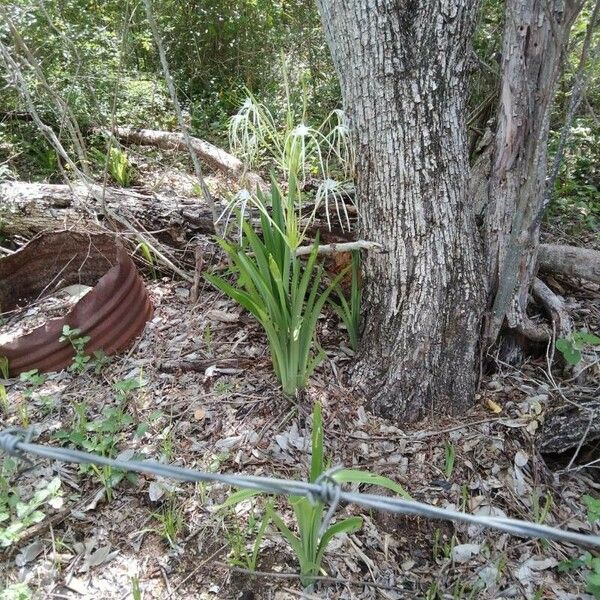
pixel 113 313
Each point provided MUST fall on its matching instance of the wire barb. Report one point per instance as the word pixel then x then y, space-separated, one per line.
pixel 330 494
pixel 10 440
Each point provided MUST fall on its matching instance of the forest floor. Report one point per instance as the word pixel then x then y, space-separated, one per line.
pixel 197 390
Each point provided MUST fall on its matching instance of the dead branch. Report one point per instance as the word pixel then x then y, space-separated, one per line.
pixel 343 247
pixel 214 157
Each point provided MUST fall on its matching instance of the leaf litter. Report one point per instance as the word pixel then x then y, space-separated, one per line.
pixel 207 399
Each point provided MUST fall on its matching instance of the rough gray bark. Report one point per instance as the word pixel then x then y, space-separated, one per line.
pixel 570 426
pixel 402 68
pixel 535 36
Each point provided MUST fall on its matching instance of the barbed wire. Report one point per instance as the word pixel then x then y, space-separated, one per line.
pixel 16 442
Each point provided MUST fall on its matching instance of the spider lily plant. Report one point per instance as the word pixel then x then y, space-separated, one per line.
pixel 313 533
pixel 282 291
pixel 297 150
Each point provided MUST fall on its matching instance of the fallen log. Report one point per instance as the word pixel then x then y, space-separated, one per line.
pixel 214 157
pixel 27 209
pixel 570 260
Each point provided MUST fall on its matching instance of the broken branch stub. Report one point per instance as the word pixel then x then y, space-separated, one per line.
pixel 113 313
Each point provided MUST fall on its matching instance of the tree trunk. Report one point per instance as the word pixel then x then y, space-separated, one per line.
pixel 535 36
pixel 402 68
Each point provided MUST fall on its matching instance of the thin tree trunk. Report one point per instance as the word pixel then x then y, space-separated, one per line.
pixel 535 36
pixel 402 68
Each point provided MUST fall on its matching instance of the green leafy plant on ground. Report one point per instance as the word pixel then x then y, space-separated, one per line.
pixel 99 436
pixel 117 163
pixel 572 346
pixel 314 533
pixel 169 521
pixel 237 537
pixel 588 562
pixel 33 379
pixel 17 514
pixel 280 290
pixel 78 341
pixel 16 591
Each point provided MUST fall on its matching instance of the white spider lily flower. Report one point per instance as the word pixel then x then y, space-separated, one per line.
pixel 301 131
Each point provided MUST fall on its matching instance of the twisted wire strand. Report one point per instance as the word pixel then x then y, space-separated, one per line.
pixel 325 489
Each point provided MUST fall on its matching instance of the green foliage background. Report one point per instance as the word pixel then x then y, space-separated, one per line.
pixel 100 58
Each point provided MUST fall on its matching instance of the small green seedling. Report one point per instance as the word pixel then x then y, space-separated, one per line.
pixel 33 379
pixel 241 555
pixel 73 335
pixel 136 592
pixel 148 255
pixel 3 399
pixel 100 436
pixel 572 346
pixel 126 385
pixel 348 309
pixel 541 510
pixel 170 521
pixel 591 564
pixel 16 515
pixel 4 367
pixel 450 457
pixel 16 591
pixel 100 360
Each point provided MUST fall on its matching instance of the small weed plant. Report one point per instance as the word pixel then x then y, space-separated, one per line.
pixel 169 521
pixel 78 341
pixel 117 163
pixel 313 533
pixel 241 553
pixel 34 379
pixel 589 563
pixel 99 436
pixel 348 308
pixel 18 514
pixel 577 342
pixel 16 591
